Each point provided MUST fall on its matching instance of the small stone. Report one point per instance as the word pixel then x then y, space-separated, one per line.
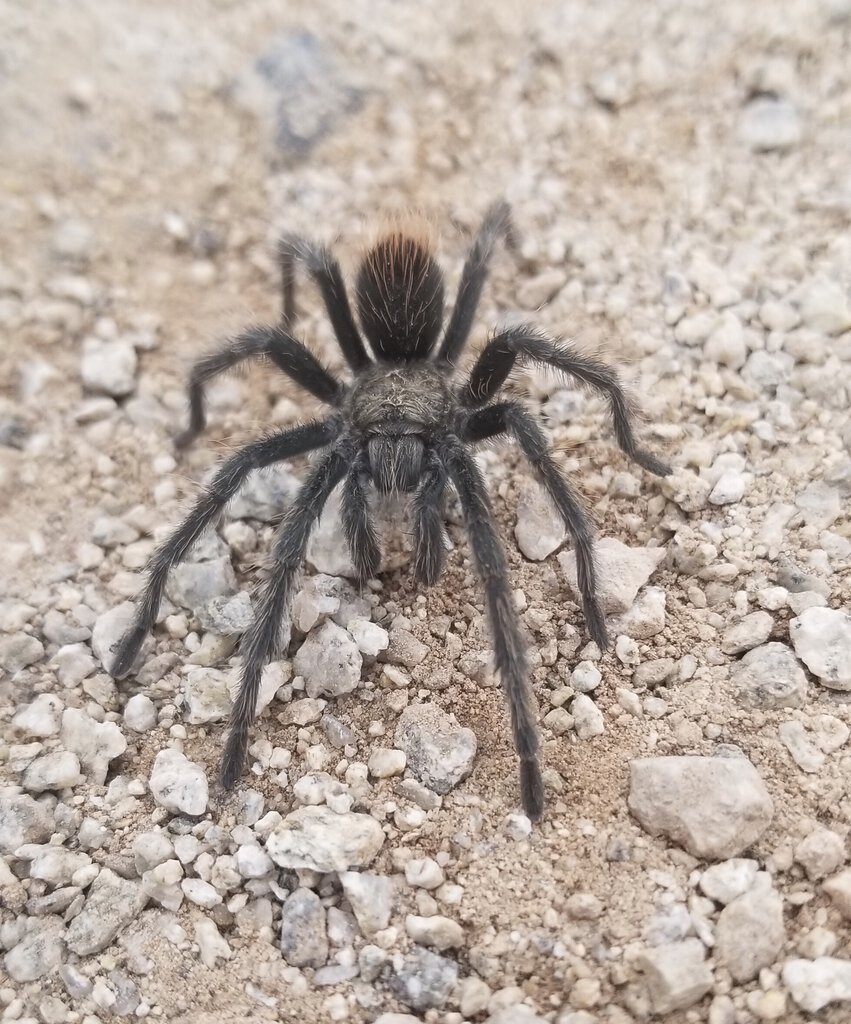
pixel 646 617
pixel 729 488
pixel 56 865
pixel 23 820
pixel 769 123
pixel 304 939
pixel 303 712
pixel 252 862
pixel 227 615
pixel 686 489
pixel 838 888
pixel 140 713
pixel 319 839
pixel 539 530
pixel 109 367
pixel 583 906
pixel 437 932
pixel 38 953
pixel 424 872
pixel 329 661
pixel 212 945
pixel 371 638
pixel 371 899
pixel 587 716
pixel 39 719
pixel 95 743
pixel 425 980
pixel 715 807
pixel 820 853
pixel 73 664
pixel 676 974
pixel 749 632
pixel 621 572
pixel 750 933
pixel 385 762
pixel 825 307
pixel 19 651
pixel 439 752
pixel 109 628
pixel 474 996
pixel 177 784
pixel 726 881
pixel 822 640
pixel 151 849
pixel 805 754
pixel 814 984
pixel 726 344
pixel 162 884
pixel 404 649
pixel 585 677
pixel 327 550
pixel 59 769
pixel 112 903
pixel 206 695
pixel 196 585
pixel 201 893
pixel 769 677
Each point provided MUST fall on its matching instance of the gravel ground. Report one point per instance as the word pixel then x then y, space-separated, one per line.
pixel 680 180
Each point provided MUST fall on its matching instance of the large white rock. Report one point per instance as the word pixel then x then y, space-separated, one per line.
pixel 320 839
pixel 539 530
pixel 814 984
pixel 750 932
pixel 715 807
pixel 178 784
pixel 329 661
pixel 677 974
pixel 822 640
pixel 621 572
pixel 95 743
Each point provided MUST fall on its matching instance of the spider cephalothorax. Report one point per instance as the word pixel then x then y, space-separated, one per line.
pixel 402 424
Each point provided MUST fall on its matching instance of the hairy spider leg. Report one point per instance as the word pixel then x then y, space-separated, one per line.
pixel 528 344
pixel 225 484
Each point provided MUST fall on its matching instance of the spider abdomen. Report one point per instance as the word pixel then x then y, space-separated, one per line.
pixel 400 298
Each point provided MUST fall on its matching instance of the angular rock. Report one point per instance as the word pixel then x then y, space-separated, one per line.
pixel 59 769
pixel 18 651
pixel 425 979
pixel 726 881
pixel 820 853
pixel 304 939
pixel 814 984
pixel 715 807
pixel 822 640
pixel 805 754
pixel 749 632
pixel 194 585
pixel 22 820
pixel 371 898
pixel 227 616
pixel 329 661
pixel 206 695
pixel 440 752
pixel 327 550
pixel 112 903
pixel 317 838
pixel 266 494
pixel 95 743
pixel 39 952
pixel 140 713
pixel 39 719
pixel 438 932
pixel 621 572
pixel 109 628
pixel 677 975
pixel 587 716
pixel 178 784
pixel 769 677
pixel 109 367
pixel 750 932
pixel 539 530
pixel 838 888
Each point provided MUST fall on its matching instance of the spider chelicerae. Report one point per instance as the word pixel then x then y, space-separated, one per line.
pixel 405 424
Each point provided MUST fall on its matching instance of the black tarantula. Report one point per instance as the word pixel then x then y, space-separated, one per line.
pixel 402 424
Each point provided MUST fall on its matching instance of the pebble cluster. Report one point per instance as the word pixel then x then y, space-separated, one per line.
pixel 372 866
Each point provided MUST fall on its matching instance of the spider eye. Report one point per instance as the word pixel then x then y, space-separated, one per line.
pixel 400 299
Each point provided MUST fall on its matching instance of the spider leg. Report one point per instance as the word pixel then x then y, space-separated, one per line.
pixel 227 481
pixel 260 643
pixel 497 224
pixel 427 507
pixel 357 521
pixel 266 342
pixel 324 269
pixel 527 344
pixel 511 418
pixel 509 645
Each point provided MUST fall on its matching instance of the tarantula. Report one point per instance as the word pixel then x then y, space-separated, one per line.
pixel 402 424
